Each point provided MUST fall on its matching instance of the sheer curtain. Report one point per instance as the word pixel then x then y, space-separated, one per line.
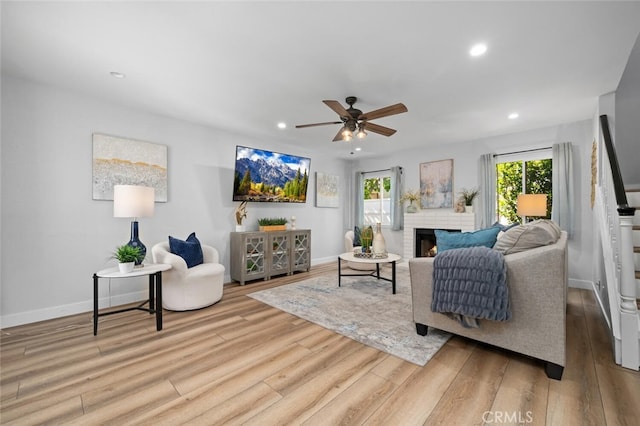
pixel 359 199
pixel 397 218
pixel 562 181
pixel 486 214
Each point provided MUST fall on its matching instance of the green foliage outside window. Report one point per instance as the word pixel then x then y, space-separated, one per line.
pixel 537 180
pixel 372 185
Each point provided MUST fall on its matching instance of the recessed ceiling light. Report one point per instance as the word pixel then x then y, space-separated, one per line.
pixel 478 49
pixel 282 125
pixel 513 116
pixel 358 149
pixel 116 74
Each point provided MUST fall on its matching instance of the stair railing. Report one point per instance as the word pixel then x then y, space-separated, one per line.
pixel 616 224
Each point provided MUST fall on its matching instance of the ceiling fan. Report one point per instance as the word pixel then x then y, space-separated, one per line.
pixel 352 119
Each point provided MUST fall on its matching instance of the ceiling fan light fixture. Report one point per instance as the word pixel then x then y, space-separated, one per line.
pixel 347 135
pixel 361 133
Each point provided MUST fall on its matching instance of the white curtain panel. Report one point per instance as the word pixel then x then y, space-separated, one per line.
pixel 359 199
pixel 562 180
pixel 397 218
pixel 486 211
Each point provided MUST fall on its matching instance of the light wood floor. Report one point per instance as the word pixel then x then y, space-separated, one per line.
pixel 243 362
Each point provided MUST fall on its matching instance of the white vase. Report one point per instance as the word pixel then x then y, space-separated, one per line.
pixel 126 267
pixel 468 209
pixel 378 246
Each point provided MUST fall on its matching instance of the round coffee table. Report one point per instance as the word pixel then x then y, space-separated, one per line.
pixel 350 257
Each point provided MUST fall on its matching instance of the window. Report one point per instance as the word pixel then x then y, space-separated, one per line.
pixel 529 175
pixel 377 201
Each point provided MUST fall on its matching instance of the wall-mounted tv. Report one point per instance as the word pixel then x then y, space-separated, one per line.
pixel 267 176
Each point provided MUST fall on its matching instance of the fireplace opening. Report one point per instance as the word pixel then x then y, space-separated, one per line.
pixel 425 241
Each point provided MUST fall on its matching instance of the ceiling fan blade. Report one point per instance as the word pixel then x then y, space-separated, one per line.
pixel 339 109
pixel 383 112
pixel 376 128
pixel 301 126
pixel 338 135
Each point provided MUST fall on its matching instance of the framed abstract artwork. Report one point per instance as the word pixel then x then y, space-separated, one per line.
pixel 118 161
pixel 436 184
pixel 326 190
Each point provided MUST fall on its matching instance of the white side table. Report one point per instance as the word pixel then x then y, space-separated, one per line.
pixel 154 271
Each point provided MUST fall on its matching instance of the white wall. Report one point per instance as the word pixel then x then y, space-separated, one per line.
pixel 466 155
pixel 54 236
pixel 627 108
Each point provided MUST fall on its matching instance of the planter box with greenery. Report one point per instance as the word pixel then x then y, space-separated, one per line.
pixel 272 224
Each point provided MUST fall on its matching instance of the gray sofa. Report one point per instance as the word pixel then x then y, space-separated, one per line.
pixel 537 282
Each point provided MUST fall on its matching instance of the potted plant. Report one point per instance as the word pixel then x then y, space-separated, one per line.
pixel 126 256
pixel 411 196
pixel 468 195
pixel 272 224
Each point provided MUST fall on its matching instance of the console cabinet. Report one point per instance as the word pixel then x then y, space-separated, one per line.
pixel 260 254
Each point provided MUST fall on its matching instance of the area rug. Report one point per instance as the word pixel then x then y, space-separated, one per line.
pixel 362 309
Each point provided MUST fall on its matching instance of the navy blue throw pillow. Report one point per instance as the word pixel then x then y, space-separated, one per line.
pixel 190 250
pixel 356 236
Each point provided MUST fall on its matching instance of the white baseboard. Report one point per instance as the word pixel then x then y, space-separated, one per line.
pixel 29 317
pixel 583 284
pixel 321 260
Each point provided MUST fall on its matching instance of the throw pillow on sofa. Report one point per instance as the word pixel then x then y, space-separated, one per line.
pixel 446 240
pixel 190 249
pixel 538 233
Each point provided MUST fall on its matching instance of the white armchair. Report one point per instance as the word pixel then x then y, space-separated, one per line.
pixel 348 248
pixel 185 288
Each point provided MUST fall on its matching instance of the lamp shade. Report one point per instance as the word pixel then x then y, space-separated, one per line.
pixel 532 204
pixel 133 201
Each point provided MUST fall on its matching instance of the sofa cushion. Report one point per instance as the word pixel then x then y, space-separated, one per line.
pixel 190 250
pixel 538 233
pixel 451 240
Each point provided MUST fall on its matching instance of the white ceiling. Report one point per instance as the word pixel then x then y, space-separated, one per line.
pixel 245 66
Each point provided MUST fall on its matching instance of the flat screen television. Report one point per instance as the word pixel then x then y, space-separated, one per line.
pixel 267 176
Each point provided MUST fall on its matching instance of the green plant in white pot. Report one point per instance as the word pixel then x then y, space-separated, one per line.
pixel 126 256
pixel 468 195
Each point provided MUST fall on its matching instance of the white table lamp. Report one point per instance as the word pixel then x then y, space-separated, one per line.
pixel 134 202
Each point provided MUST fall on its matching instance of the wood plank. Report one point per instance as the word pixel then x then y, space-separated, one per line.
pixel 314 394
pixel 355 404
pixel 522 395
pixel 477 384
pixel 225 388
pixel 576 399
pixel 415 399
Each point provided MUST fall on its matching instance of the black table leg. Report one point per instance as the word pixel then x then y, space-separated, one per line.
pixel 151 283
pixel 378 270
pixel 158 300
pixel 339 271
pixel 393 276
pixel 95 304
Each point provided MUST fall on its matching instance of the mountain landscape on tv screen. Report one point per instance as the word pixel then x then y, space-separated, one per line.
pixel 264 176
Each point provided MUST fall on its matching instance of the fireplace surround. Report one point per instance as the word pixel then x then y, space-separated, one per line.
pixel 444 219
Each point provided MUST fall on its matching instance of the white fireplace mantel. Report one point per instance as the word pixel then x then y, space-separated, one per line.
pixel 434 219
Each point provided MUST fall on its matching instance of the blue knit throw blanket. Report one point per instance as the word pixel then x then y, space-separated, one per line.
pixel 470 284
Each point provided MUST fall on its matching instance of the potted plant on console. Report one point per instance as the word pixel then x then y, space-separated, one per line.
pixel 468 195
pixel 272 224
pixel 126 256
